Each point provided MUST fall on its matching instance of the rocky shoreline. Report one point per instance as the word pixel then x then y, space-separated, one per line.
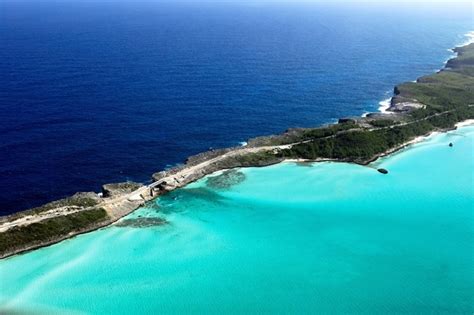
pixel 408 109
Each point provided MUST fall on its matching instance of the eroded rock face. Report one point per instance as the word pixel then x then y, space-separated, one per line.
pixel 117 189
pixel 83 195
pixel 403 104
pixel 226 180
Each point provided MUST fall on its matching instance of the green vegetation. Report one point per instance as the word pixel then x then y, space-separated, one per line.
pixel 448 97
pixel 440 95
pixel 83 202
pixel 258 159
pixel 130 186
pixel 327 131
pixel 465 58
pixel 301 134
pixel 49 229
pixel 79 200
pixel 448 93
pixel 380 123
pixel 448 89
pixel 362 145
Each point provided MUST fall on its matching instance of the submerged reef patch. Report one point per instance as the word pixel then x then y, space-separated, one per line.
pixel 142 222
pixel 304 164
pixel 226 180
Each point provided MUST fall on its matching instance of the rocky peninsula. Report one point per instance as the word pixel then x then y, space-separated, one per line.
pixel 435 102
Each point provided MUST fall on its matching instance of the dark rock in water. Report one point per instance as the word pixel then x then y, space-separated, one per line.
pixel 450 144
pixel 226 179
pixel 141 222
pixel 209 194
pixel 305 164
pixel 382 170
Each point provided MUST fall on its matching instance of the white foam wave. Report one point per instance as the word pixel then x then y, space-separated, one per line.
pixel 469 38
pixel 453 55
pixel 243 143
pixel 384 106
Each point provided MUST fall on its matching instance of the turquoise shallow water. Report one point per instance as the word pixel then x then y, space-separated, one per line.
pixel 326 238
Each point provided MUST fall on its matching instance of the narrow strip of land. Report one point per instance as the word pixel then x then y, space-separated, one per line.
pixel 436 102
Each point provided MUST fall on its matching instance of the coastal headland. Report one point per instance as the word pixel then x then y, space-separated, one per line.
pixel 434 103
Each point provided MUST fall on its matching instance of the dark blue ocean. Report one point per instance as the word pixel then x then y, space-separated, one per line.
pixel 92 93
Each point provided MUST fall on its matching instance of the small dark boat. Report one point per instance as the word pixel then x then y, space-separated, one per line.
pixel 382 170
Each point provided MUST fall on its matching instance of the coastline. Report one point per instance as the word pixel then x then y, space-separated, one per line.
pixel 119 202
pixel 384 104
pixel 466 123
pixel 469 40
pixel 244 218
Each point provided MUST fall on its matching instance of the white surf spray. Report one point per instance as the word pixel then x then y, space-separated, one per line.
pixel 385 105
pixel 469 38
